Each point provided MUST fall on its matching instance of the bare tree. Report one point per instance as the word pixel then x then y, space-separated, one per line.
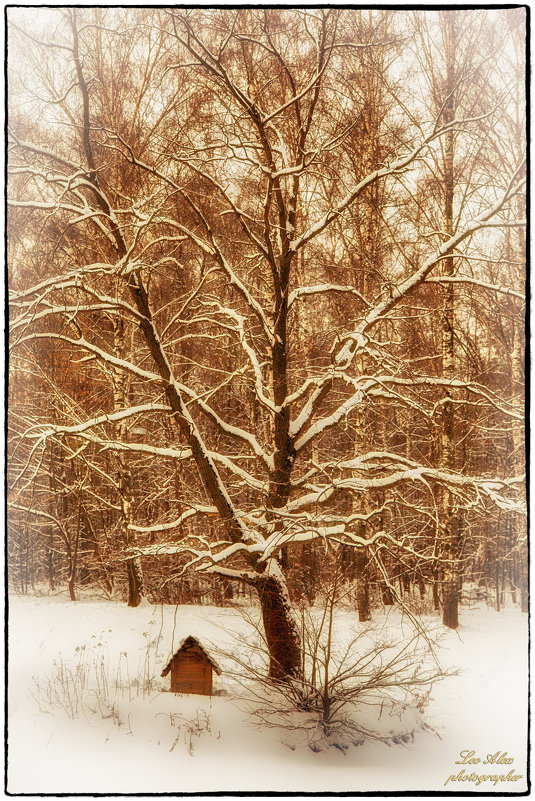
pixel 194 221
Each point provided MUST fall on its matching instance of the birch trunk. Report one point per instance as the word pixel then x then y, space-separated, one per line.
pixel 519 456
pixel 452 536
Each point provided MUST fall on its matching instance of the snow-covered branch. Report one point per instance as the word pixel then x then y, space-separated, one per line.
pixel 464 279
pixel 320 289
pixel 356 342
pixel 196 510
pixel 49 430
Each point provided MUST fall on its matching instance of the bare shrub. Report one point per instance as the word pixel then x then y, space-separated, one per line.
pixel 191 730
pixel 371 685
pixel 90 684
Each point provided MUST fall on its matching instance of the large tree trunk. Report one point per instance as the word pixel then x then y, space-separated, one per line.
pixel 282 635
pixel 135 582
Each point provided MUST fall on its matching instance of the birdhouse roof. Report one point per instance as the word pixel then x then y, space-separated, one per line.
pixel 185 645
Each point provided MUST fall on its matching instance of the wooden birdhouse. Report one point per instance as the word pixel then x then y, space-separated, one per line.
pixel 191 669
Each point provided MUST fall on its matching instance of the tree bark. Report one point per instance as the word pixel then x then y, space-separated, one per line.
pixel 134 574
pixel 451 550
pixel 519 460
pixel 282 635
pixel 363 588
pixel 436 589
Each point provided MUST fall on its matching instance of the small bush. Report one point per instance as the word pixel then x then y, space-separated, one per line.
pixel 368 687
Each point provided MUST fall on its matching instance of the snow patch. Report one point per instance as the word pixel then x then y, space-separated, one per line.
pixel 159 742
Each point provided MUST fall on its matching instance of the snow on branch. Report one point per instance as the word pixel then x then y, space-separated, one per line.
pixel 177 454
pixel 382 470
pixel 106 302
pixel 464 279
pixel 82 342
pixel 228 428
pixel 239 326
pixel 28 317
pixel 356 342
pixel 64 280
pixel 393 168
pixel 320 289
pixel 209 248
pixel 327 422
pixel 246 478
pixel 197 510
pixel 112 417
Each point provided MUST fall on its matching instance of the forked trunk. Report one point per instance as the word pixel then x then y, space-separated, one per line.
pixel 282 635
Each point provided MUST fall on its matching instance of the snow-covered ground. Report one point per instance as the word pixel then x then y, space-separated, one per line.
pixel 64 737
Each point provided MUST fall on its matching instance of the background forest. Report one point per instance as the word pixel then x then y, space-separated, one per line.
pixel 266 274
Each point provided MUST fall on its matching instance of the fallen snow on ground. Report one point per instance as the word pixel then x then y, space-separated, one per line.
pixel 81 719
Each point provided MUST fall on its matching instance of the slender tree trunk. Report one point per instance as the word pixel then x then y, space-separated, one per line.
pixel 71 575
pixel 421 585
pixel 519 461
pixel 384 518
pixel 50 559
pixel 53 489
pixel 92 542
pixel 368 271
pixel 436 590
pixel 89 537
pixel 73 550
pixel 70 583
pixel 386 594
pixel 363 587
pixel 497 567
pixel 450 589
pixel 134 575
